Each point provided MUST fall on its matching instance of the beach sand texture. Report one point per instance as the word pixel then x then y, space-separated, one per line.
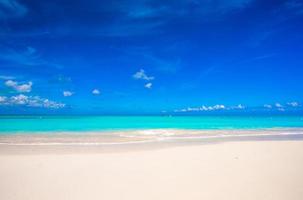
pixel 244 170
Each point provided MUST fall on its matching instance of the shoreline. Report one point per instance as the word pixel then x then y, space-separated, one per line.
pixel 142 134
pixel 149 139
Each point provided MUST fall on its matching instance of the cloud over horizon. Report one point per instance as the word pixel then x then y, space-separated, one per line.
pixel 291 106
pixel 29 101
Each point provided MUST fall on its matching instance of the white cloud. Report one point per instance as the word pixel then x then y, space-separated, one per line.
pixel 205 108
pixel 96 92
pixel 278 105
pixel 19 99
pixel 267 106
pixel 142 75
pixel 218 107
pixel 26 87
pixel 67 93
pixel 148 85
pixel 240 106
pixel 30 101
pixel 293 104
pixel 10 83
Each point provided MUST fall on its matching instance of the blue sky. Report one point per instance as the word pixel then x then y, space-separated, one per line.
pixel 150 56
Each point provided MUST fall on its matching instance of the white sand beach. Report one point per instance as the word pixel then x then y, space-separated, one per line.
pixel 239 170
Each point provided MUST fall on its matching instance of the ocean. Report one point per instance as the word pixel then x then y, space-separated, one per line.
pixel 38 124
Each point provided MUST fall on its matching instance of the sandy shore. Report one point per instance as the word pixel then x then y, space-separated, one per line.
pixel 227 170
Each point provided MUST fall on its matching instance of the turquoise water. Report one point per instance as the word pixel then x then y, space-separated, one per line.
pixel 19 124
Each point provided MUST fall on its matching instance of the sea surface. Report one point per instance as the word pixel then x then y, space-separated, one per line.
pixel 38 124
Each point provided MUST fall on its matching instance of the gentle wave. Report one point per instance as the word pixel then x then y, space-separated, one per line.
pixel 158 138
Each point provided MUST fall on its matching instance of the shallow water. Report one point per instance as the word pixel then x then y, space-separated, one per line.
pixel 38 124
